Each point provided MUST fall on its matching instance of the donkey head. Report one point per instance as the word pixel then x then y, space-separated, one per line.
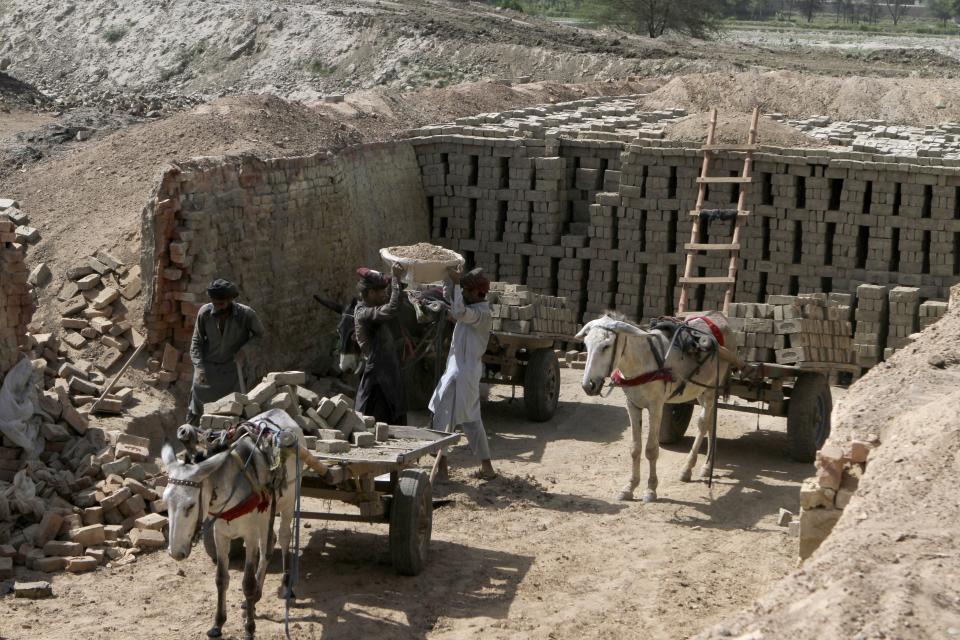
pixel 186 499
pixel 600 338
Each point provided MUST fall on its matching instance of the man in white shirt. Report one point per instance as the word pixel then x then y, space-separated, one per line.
pixel 456 401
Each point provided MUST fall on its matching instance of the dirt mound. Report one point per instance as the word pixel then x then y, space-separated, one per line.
pixel 903 101
pixel 18 95
pixel 891 567
pixel 733 129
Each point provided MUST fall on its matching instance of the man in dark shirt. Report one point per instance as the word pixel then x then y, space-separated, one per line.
pixel 223 328
pixel 381 393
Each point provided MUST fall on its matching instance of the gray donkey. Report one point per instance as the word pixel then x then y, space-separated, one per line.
pixel 674 364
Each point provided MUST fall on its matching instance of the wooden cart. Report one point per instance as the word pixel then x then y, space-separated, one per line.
pixel 528 361
pixel 800 393
pixel 384 483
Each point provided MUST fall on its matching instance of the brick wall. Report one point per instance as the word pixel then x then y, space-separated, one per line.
pixel 16 300
pixel 822 221
pixel 283 230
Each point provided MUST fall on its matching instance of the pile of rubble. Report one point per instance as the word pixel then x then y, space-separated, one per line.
pixel 516 309
pixel 330 425
pixel 813 328
pixel 72 497
pixel 16 301
pixel 824 496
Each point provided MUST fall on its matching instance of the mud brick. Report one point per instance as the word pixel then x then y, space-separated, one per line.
pixel 153 521
pixel 147 539
pixel 62 548
pixel 116 498
pixel 92 515
pixel 75 340
pixel 105 298
pixel 6 568
pixel 118 466
pixel 112 532
pixel 133 507
pixel 170 358
pixel 32 590
pixel 333 446
pixel 81 564
pixel 79 385
pixel 48 528
pixel 209 421
pixel 350 422
pixel 815 526
pixel 306 397
pixel 88 282
pixel 120 344
pixel 158 506
pixel 857 451
pixel 89 536
pixel 74 306
pixel 382 432
pixel 363 439
pixel 262 393
pixel 326 408
pixel 330 434
pixel 140 489
pixel 97 553
pixel 252 410
pixel 283 378
pixel 49 564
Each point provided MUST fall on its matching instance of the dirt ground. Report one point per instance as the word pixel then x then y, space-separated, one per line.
pixel 544 551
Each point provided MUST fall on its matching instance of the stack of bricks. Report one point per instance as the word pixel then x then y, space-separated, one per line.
pixel 16 300
pixel 824 496
pixel 904 317
pixel 931 311
pixel 794 330
pixel 871 316
pixel 330 425
pixel 516 309
pixel 95 332
pixel 97 493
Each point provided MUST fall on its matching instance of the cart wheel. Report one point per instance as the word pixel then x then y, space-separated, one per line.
pixel 674 422
pixel 541 385
pixel 411 522
pixel 808 416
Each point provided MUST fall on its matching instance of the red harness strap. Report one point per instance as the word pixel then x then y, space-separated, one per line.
pixel 660 374
pixel 258 501
pixel 714 329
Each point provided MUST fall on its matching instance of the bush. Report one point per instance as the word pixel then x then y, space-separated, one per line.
pixel 114 34
pixel 511 4
pixel 320 68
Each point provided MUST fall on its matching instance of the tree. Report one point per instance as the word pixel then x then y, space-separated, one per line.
pixel 942 10
pixel 809 7
pixel 897 8
pixel 872 10
pixel 696 18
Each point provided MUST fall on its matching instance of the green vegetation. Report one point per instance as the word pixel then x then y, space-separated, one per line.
pixel 114 34
pixel 318 67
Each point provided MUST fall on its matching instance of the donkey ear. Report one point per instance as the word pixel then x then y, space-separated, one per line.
pixel 168 455
pixel 626 327
pixel 200 471
pixel 585 330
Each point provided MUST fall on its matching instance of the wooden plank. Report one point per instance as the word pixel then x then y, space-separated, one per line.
pixel 740 214
pixel 730 147
pixel 708 280
pixel 724 180
pixel 706 246
pixel 342 517
pixel 745 409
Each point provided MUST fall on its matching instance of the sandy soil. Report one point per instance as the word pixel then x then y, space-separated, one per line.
pixel 542 552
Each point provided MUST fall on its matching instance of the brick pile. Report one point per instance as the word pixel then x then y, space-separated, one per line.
pixel 794 329
pixel 903 318
pixel 96 333
pixel 871 317
pixel 931 311
pixel 821 220
pixel 91 498
pixel 16 299
pixel 517 309
pixel 331 425
pixel 824 496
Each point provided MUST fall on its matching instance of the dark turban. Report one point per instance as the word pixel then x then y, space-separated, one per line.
pixel 370 279
pixel 221 289
pixel 476 282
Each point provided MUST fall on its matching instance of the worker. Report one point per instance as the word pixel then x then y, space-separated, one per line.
pixel 223 332
pixel 381 393
pixel 456 400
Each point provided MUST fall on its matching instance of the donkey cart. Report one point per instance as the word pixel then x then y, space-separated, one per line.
pixel 383 481
pixel 528 361
pixel 800 393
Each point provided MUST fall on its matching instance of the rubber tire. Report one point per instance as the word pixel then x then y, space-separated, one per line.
pixel 675 421
pixel 411 522
pixel 808 416
pixel 541 385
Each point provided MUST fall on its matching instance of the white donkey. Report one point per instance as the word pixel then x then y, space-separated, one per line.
pixel 237 491
pixel 653 372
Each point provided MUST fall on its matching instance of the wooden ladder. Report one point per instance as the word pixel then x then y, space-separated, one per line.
pixel 741 215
